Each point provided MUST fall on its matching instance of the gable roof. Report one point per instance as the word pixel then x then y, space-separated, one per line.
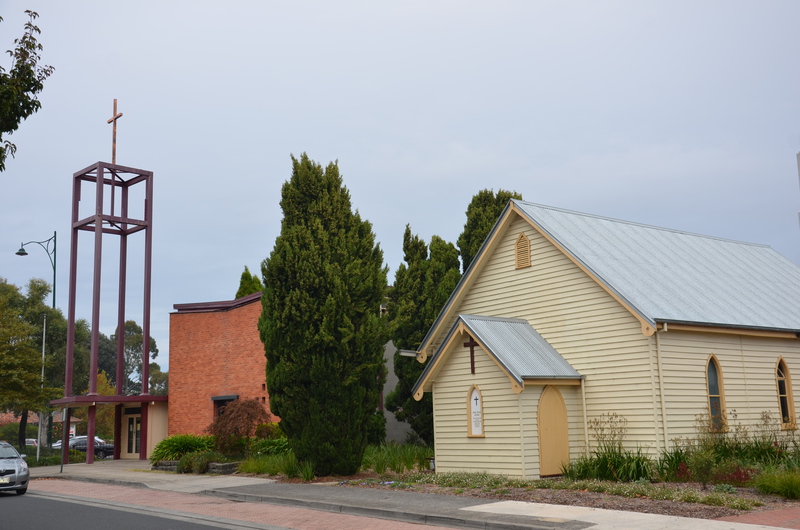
pixel 661 275
pixel 673 276
pixel 513 343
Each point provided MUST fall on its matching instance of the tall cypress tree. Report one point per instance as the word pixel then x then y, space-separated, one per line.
pixel 422 286
pixel 320 323
pixel 248 284
pixel 482 214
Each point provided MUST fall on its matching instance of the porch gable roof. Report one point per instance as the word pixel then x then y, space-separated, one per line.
pixel 513 344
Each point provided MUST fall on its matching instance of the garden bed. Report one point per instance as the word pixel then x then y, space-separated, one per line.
pixel 580 497
pixel 617 502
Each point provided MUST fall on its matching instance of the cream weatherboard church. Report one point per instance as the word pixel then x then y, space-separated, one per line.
pixel 563 317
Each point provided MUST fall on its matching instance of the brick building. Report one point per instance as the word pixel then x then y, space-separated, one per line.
pixel 215 356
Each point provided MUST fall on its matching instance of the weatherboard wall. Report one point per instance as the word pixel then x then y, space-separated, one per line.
pixel 499 450
pixel 510 441
pixel 583 322
pixel 748 366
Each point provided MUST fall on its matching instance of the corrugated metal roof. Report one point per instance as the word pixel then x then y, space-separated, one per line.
pixel 674 276
pixel 519 348
pixel 514 343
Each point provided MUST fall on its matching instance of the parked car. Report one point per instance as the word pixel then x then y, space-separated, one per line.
pixel 31 442
pixel 14 472
pixel 101 449
pixel 73 439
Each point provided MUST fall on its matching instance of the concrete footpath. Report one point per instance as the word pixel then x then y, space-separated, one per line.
pixel 390 505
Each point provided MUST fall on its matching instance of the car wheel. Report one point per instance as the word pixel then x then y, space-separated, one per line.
pixel 101 454
pixel 22 491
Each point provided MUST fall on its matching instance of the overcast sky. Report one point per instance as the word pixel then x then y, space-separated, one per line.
pixel 681 114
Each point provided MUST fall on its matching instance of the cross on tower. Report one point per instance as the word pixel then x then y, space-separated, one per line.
pixel 114 136
pixel 471 345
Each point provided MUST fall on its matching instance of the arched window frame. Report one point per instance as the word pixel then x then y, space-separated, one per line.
pixel 471 431
pixel 522 252
pixel 716 400
pixel 783 386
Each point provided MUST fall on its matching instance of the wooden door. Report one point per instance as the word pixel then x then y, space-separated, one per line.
pixel 553 433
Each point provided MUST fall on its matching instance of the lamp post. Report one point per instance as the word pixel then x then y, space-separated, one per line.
pixel 52 255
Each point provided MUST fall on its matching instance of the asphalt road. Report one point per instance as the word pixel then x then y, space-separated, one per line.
pixel 35 511
pixel 66 504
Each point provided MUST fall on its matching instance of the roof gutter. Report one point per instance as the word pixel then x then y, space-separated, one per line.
pixel 734 329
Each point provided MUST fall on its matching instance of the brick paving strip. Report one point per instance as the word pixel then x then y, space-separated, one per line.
pixel 259 513
pixel 786 518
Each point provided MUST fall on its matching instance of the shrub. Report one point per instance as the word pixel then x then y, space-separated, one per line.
pixel 184 463
pixel 10 432
pixel 672 464
pixel 783 482
pixel 714 499
pixel 701 464
pixel 689 496
pixel 610 460
pixel 236 426
pixel 289 465
pixel 380 461
pixel 398 458
pixel 269 431
pixel 176 446
pixel 733 474
pixel 276 446
pixel 307 471
pixel 198 462
pixel 376 428
pixel 263 465
pixel 611 463
pixel 724 488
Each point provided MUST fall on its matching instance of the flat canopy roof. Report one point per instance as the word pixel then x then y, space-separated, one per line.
pixel 88 400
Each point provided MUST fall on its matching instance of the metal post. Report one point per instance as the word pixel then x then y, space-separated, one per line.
pixel 148 252
pixel 41 416
pixel 98 258
pixel 54 268
pixel 123 274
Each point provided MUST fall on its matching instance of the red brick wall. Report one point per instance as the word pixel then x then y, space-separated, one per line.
pixel 213 353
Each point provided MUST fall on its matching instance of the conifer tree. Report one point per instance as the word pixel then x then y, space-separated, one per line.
pixel 482 214
pixel 422 286
pixel 324 282
pixel 248 284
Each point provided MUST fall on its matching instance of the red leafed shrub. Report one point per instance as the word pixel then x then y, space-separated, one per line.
pixel 735 475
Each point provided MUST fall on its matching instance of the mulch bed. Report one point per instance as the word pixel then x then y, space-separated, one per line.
pixel 580 498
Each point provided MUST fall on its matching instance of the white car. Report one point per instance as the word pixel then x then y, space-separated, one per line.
pixel 74 439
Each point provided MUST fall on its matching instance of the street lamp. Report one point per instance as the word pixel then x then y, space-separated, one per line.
pixel 52 255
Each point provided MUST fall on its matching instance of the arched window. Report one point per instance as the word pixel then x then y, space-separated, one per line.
pixel 474 413
pixel 522 252
pixel 716 396
pixel 785 397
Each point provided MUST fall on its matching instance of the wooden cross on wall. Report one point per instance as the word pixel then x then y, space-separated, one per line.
pixel 114 134
pixel 471 345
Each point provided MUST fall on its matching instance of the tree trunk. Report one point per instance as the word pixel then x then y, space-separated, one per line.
pixel 23 427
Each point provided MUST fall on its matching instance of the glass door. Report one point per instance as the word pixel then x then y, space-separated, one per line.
pixel 134 434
